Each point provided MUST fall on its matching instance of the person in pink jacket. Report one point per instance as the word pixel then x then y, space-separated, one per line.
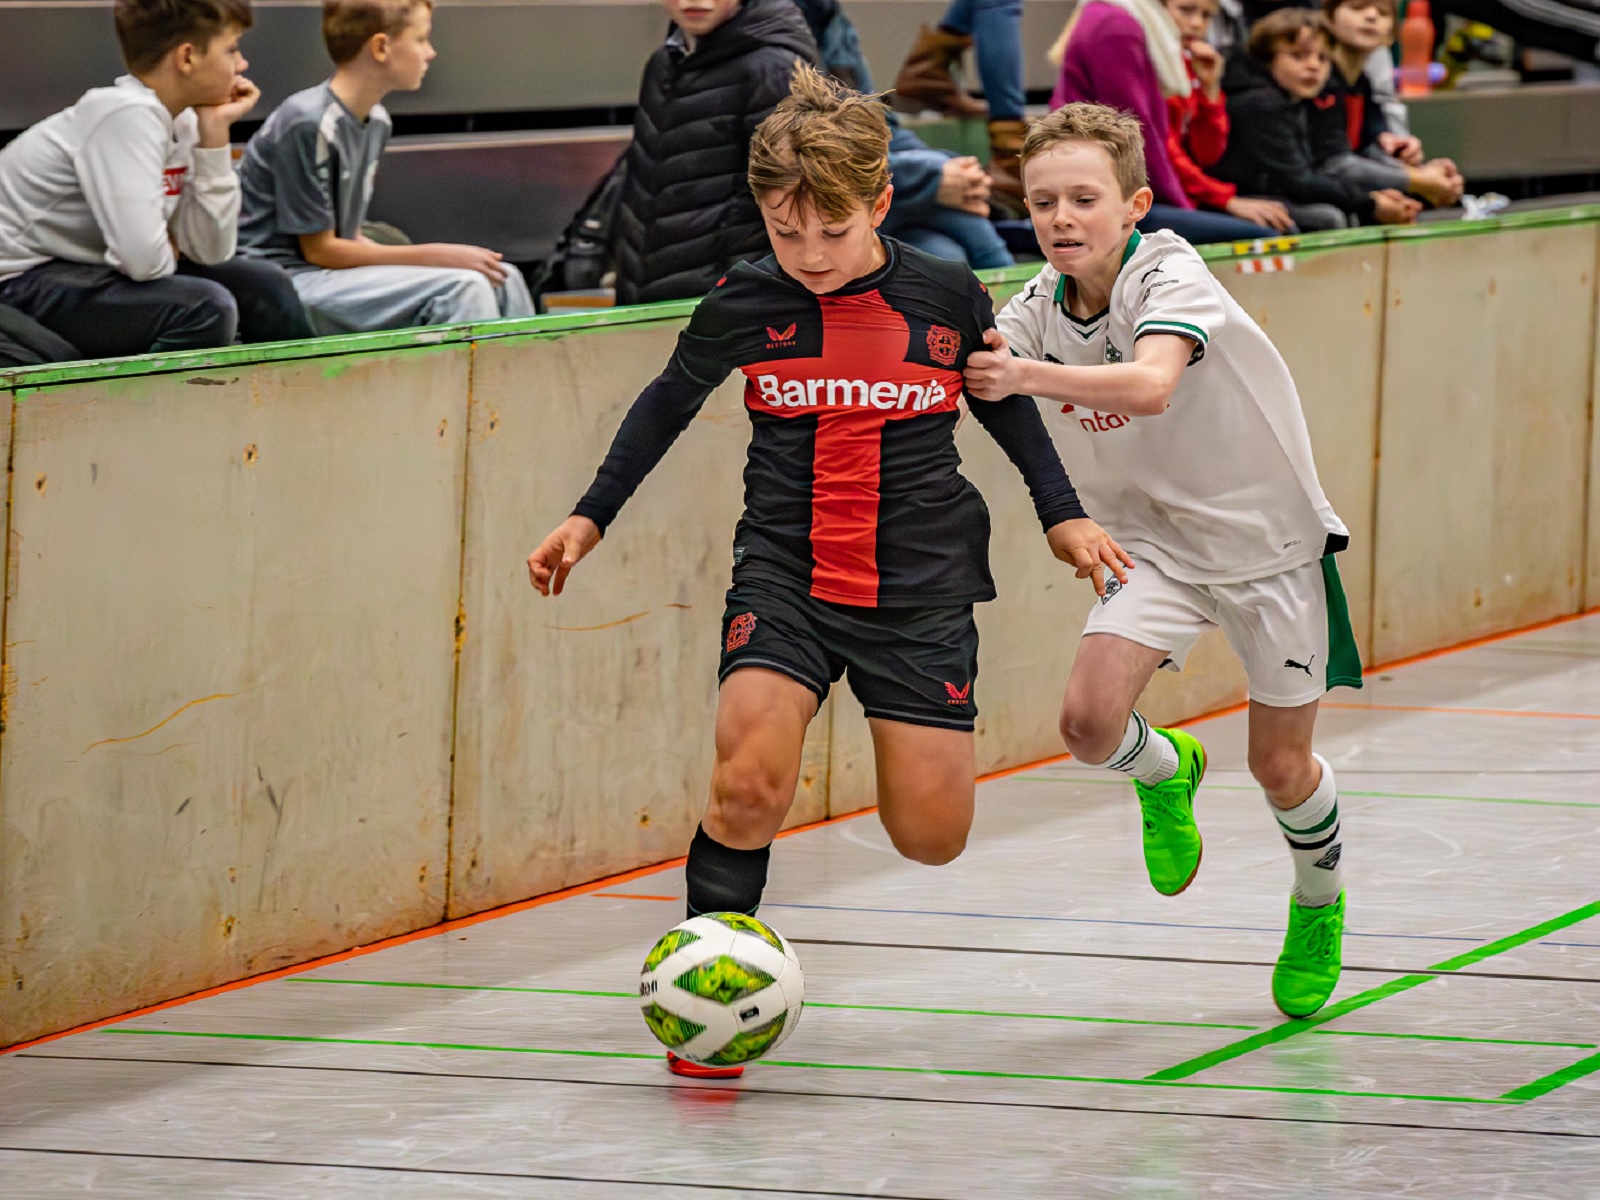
pixel 1127 54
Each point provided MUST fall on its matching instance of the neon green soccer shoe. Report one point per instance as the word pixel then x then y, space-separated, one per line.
pixel 1308 968
pixel 1171 838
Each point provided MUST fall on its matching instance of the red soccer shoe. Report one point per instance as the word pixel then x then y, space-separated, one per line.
pixel 694 1070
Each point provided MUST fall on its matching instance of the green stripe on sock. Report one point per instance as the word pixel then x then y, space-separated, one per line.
pixel 1317 828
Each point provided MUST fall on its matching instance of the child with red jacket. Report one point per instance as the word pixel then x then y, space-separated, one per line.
pixel 1197 124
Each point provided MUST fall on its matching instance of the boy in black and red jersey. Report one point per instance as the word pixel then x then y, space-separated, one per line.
pixel 862 549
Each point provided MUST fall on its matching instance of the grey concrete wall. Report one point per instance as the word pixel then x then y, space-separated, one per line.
pixel 274 682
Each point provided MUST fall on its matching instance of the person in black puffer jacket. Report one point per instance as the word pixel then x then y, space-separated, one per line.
pixel 1274 147
pixel 686 214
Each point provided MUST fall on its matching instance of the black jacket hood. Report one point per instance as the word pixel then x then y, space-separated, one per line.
pixel 757 23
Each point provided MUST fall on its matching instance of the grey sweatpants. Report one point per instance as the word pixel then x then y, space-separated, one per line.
pixel 1369 171
pixel 359 299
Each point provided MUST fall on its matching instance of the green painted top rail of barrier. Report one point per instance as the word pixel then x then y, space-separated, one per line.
pixel 23 379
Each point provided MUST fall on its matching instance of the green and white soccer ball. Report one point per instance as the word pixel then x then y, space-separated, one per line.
pixel 721 989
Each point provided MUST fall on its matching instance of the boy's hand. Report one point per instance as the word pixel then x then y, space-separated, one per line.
pixel 552 562
pixel 1207 63
pixel 964 186
pixel 1084 545
pixel 1261 212
pixel 1438 185
pixel 215 119
pixel 1403 146
pixel 470 258
pixel 1392 208
pixel 995 373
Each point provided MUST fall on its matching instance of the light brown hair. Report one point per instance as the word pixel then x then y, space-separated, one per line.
pixel 1118 133
pixel 824 146
pixel 348 25
pixel 1284 28
pixel 148 29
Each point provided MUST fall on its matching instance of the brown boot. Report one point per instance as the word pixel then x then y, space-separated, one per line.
pixel 1005 166
pixel 925 80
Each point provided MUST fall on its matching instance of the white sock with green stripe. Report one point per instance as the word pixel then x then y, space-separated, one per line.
pixel 1312 831
pixel 1143 754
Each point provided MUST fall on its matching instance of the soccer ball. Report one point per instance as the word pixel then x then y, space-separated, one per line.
pixel 721 989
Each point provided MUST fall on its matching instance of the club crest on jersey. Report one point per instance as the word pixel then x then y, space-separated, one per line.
pixel 739 631
pixel 943 345
pixel 777 338
pixel 958 695
pixel 1113 355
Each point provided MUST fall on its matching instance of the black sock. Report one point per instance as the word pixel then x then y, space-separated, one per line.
pixel 722 879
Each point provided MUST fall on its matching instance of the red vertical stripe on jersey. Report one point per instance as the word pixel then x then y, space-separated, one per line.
pixel 861 337
pixel 844 509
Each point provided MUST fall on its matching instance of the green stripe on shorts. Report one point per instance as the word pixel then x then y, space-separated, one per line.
pixel 1344 660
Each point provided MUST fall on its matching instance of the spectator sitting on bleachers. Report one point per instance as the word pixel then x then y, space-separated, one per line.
pixel 941 200
pixel 98 202
pixel 1126 54
pixel 1351 123
pixel 686 213
pixel 1271 89
pixel 1197 124
pixel 308 177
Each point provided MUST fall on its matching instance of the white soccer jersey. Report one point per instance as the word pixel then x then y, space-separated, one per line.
pixel 1220 488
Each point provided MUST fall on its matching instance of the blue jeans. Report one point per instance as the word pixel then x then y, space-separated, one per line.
pixel 1198 226
pixel 958 236
pixel 995 27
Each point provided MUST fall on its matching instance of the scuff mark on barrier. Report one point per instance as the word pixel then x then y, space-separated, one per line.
pixel 207 381
pixel 612 624
pixel 165 721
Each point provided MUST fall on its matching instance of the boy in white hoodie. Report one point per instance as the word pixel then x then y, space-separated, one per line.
pixel 118 216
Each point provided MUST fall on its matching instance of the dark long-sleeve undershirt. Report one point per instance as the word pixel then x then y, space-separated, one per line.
pixel 662 411
pixel 1016 426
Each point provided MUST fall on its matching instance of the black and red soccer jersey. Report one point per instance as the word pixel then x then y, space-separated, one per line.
pixel 853 486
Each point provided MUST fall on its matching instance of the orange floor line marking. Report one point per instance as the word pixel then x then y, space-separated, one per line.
pixel 1487 639
pixel 1466 712
pixel 401 939
pixel 640 872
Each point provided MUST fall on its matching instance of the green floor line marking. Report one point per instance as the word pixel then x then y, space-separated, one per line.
pixel 1446 1037
pixel 813 1066
pixel 1242 787
pixel 905 1008
pixel 956 1012
pixel 1543 1087
pixel 979 1012
pixel 346 1041
pixel 1290 1029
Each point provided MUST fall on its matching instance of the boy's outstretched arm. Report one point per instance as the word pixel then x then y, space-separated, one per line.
pixel 1141 388
pixel 662 411
pixel 1014 423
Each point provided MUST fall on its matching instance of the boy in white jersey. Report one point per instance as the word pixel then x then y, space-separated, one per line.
pixel 1184 434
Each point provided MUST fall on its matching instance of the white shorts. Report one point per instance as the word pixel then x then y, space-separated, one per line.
pixel 1291 631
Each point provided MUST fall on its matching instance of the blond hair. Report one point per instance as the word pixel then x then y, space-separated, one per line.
pixel 1117 132
pixel 825 146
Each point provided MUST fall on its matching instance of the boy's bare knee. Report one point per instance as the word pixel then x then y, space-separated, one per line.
pixel 1091 736
pixel 745 792
pixel 1284 773
pixel 931 847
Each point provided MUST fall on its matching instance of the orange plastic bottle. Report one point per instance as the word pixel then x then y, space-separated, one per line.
pixel 1416 49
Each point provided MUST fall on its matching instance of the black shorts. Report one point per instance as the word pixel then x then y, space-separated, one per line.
pixel 915 665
